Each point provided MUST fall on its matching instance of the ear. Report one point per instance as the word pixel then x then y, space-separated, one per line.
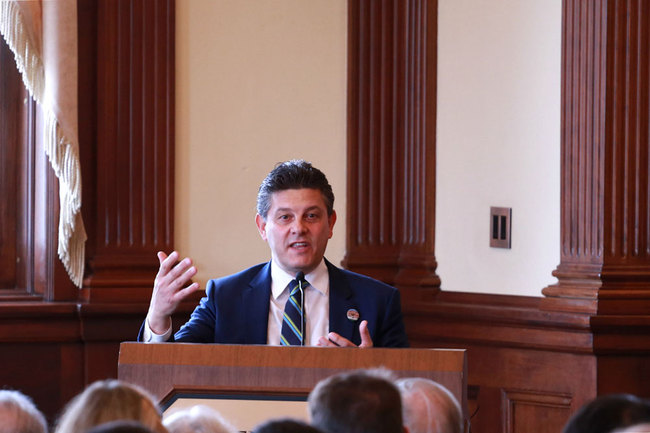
pixel 331 220
pixel 261 225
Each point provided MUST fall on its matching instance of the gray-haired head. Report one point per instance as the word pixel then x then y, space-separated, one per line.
pixel 198 419
pixel 294 174
pixel 429 407
pixel 18 414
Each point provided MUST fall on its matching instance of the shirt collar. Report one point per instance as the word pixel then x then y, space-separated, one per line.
pixel 319 279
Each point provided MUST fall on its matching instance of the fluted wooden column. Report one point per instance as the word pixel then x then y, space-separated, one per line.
pixel 131 197
pixel 605 221
pixel 391 142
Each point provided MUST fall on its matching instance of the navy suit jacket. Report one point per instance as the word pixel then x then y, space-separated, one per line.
pixel 236 309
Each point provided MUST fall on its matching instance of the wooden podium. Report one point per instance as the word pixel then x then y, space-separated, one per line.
pixel 171 371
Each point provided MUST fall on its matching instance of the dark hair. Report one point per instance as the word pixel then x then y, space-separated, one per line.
pixel 356 402
pixel 294 174
pixel 607 413
pixel 285 425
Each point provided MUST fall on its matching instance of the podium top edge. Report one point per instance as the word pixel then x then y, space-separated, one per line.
pixel 278 356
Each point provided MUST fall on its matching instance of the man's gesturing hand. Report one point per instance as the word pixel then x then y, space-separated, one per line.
pixel 169 289
pixel 333 339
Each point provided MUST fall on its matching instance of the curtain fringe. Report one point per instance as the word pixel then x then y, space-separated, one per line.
pixel 61 152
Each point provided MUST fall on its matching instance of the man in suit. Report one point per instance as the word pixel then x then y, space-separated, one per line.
pixel 295 216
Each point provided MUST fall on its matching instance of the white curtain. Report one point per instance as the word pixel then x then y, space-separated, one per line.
pixel 43 37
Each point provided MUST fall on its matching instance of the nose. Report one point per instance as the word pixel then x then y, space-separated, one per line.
pixel 298 226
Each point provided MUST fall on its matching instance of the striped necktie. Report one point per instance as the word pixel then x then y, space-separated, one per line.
pixel 293 319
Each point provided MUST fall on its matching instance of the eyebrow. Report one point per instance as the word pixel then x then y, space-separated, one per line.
pixel 288 209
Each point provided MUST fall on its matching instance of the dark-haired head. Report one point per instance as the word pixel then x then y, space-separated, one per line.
pixel 361 401
pixel 294 174
pixel 607 413
pixel 285 425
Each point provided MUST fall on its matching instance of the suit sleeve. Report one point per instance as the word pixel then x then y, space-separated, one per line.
pixel 201 326
pixel 392 333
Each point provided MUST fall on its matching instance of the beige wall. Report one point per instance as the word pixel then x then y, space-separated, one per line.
pixel 498 142
pixel 263 81
pixel 257 82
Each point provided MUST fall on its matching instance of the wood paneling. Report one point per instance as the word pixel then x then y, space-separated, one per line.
pixel 605 221
pixel 391 142
pixel 524 410
pixel 526 367
pixel 529 366
pixel 133 163
pixel 51 351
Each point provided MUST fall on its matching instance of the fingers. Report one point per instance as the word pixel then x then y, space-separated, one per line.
pixel 161 256
pixel 172 273
pixel 335 340
pixel 167 262
pixel 366 340
pixel 324 342
pixel 173 283
pixel 187 291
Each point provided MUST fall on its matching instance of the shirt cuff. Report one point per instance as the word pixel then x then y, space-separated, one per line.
pixel 148 336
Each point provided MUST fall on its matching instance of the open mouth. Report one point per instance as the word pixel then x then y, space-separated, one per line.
pixel 299 245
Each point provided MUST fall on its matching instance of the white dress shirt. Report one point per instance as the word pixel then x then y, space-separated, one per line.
pixel 316 306
pixel 317 303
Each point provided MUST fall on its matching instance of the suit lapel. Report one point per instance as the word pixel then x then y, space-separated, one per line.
pixel 255 300
pixel 341 301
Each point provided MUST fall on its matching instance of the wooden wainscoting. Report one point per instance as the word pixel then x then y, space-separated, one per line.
pixel 529 369
pixel 51 351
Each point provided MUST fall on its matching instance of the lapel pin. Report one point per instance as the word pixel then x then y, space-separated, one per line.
pixel 353 315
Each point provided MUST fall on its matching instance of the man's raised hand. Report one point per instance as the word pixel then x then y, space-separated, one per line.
pixel 172 285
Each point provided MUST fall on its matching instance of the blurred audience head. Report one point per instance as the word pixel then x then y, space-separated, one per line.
pixel 120 427
pixel 429 407
pixel 198 419
pixel 361 401
pixel 18 414
pixel 609 413
pixel 110 400
pixel 285 425
pixel 638 428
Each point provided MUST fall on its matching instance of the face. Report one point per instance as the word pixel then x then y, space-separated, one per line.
pixel 297 229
